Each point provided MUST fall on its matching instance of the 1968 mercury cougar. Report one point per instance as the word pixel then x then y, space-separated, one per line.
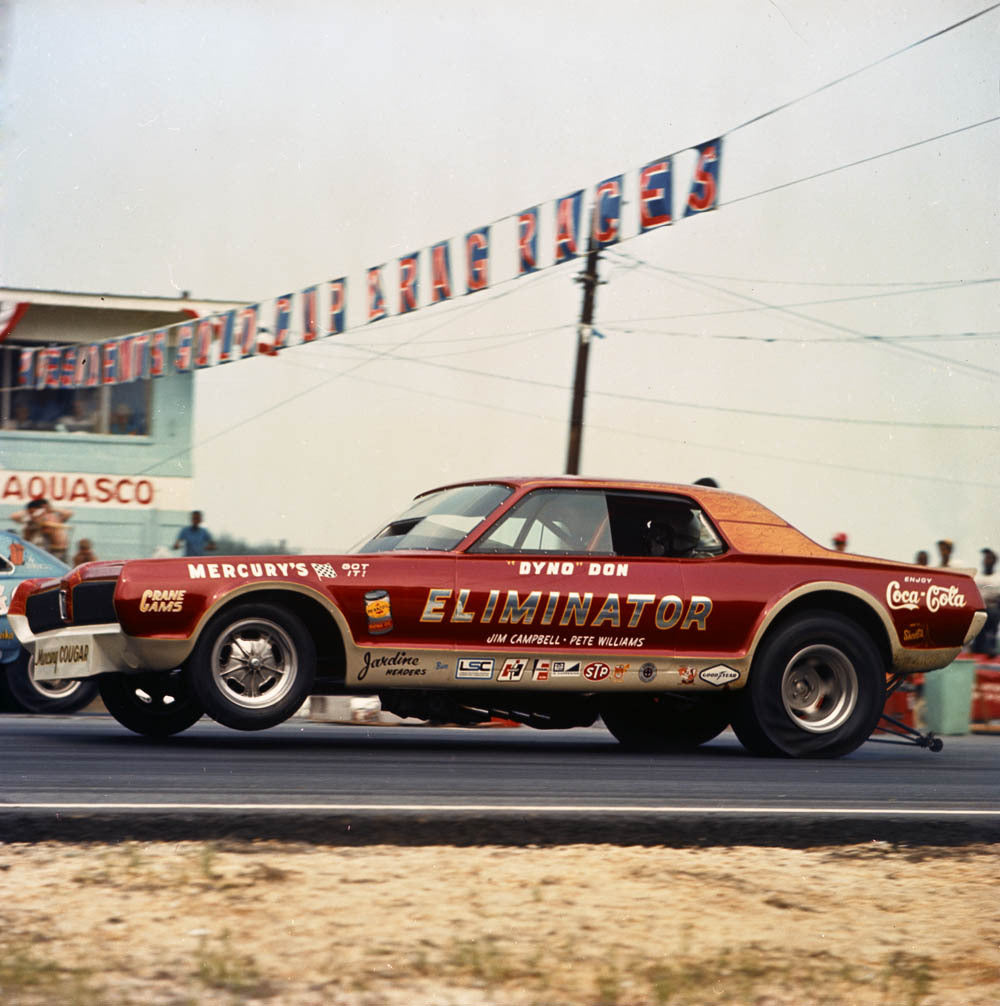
pixel 671 611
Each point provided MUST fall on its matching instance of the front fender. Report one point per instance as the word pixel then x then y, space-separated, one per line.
pixel 166 651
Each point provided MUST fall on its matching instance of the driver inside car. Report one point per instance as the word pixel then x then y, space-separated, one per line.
pixel 676 536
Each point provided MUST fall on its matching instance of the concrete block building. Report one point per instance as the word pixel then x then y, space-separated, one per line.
pixel 117 453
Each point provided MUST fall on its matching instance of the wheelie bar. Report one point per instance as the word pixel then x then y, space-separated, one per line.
pixel 906 734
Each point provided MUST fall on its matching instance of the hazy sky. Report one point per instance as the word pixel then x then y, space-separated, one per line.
pixel 828 347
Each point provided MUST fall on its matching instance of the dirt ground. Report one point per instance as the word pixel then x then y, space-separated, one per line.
pixel 296 924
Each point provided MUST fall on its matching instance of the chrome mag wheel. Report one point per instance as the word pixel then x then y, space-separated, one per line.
pixel 254 663
pixel 819 688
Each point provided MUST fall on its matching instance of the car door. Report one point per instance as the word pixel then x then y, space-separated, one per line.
pixel 564 583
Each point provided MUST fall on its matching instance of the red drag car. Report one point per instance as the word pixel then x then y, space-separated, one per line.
pixel 671 611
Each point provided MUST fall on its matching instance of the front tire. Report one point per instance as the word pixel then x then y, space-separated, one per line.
pixel 669 722
pixel 253 666
pixel 816 690
pixel 151 703
pixel 51 697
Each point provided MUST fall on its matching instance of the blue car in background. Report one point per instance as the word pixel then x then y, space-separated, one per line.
pixel 19 692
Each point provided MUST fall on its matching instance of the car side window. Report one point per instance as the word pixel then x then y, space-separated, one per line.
pixel 644 524
pixel 569 521
pixel 594 522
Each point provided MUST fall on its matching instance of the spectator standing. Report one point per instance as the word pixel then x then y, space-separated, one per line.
pixel 840 541
pixel 988 582
pixel 195 538
pixel 45 526
pixel 946 550
pixel 922 558
pixel 84 552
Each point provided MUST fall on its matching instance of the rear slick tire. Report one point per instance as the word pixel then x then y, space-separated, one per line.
pixel 816 690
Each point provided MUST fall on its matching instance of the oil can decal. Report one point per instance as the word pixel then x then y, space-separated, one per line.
pixel 378 608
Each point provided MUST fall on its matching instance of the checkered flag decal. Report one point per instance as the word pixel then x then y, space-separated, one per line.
pixel 324 570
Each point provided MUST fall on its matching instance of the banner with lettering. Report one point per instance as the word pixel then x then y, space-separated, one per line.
pixel 420 279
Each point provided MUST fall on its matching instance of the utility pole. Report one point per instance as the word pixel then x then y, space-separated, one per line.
pixel 585 332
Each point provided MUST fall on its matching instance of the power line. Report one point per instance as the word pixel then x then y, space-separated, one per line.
pixel 810 282
pixel 816 340
pixel 975 371
pixel 863 69
pixel 631 432
pixel 762 305
pixel 863 160
pixel 674 403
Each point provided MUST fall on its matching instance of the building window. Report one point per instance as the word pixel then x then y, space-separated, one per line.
pixel 116 410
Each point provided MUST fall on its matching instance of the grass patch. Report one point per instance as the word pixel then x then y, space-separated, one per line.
pixel 24 973
pixel 907 978
pixel 482 960
pixel 208 855
pixel 608 986
pixel 219 966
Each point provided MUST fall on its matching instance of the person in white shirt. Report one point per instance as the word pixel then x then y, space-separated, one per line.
pixel 988 582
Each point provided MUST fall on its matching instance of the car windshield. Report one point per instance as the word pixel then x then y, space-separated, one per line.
pixel 438 521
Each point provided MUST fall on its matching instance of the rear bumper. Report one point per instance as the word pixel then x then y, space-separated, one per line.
pixel 978 621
